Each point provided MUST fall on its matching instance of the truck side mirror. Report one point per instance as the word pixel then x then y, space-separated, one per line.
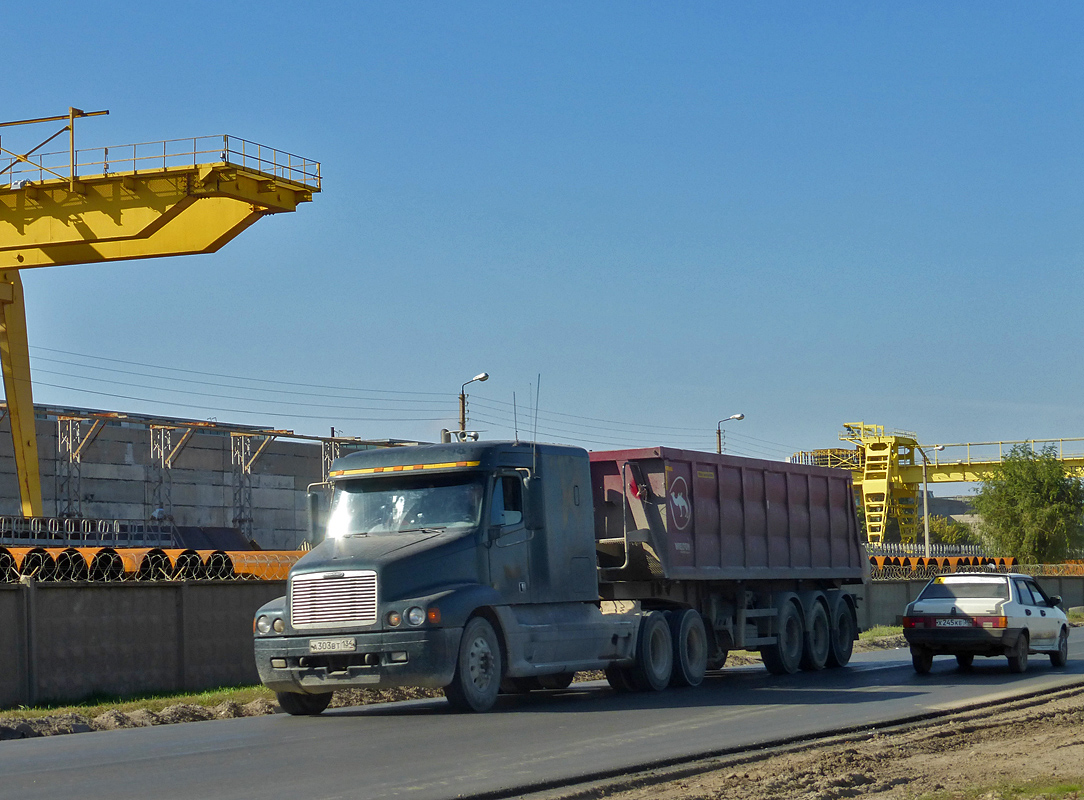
pixel 315 507
pixel 534 509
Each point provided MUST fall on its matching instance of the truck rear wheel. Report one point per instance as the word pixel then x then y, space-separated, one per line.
pixel 559 680
pixel 785 656
pixel 477 679
pixel 690 647
pixel 842 634
pixel 654 654
pixel 303 705
pixel 620 679
pixel 817 641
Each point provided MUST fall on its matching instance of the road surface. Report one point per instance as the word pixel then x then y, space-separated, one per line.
pixel 420 750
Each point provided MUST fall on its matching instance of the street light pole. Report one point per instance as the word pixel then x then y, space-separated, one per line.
pixel 926 495
pixel 484 376
pixel 719 431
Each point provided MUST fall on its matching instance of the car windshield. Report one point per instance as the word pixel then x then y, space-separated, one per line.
pixel 399 503
pixel 941 589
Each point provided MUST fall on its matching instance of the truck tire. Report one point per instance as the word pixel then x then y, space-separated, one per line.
pixel 654 654
pixel 1018 655
pixel 817 640
pixel 620 679
pixel 843 635
pixel 690 647
pixel 477 679
pixel 303 705
pixel 785 656
pixel 560 680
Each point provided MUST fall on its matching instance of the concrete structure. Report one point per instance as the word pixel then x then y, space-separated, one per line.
pixel 116 476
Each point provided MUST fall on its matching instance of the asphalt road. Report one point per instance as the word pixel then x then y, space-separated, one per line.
pixel 422 751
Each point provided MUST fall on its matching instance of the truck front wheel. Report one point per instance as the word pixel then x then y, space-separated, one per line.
pixel 690 647
pixel 303 705
pixel 477 679
pixel 785 656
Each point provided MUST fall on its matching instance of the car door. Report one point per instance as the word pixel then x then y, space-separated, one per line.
pixel 1050 622
pixel 1030 613
pixel 508 540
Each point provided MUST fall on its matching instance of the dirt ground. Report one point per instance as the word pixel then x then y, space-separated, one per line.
pixel 981 754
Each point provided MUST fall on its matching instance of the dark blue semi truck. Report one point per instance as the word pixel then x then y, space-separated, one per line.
pixel 482 567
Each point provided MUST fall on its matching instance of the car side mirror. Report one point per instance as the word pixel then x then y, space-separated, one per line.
pixel 493 533
pixel 1054 601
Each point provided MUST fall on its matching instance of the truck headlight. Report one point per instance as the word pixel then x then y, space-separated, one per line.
pixel 278 625
pixel 415 616
pixel 263 624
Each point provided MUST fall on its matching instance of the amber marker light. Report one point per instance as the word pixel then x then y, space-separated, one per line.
pixel 433 615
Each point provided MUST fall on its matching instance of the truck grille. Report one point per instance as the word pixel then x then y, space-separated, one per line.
pixel 333 599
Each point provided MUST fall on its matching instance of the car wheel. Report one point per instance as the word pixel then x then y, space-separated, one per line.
pixel 965 660
pixel 1018 656
pixel 477 678
pixel 303 705
pixel 1060 657
pixel 922 659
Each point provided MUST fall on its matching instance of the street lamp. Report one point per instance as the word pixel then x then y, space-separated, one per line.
pixel 926 495
pixel 484 376
pixel 719 431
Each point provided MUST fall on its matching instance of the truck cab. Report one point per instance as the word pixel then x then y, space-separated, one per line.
pixel 422 544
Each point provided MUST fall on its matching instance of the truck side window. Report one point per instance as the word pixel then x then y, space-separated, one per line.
pixel 507 505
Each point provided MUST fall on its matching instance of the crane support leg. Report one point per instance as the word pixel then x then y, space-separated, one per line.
pixel 15 358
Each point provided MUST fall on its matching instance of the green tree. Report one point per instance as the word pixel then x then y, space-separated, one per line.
pixel 946 530
pixel 1031 507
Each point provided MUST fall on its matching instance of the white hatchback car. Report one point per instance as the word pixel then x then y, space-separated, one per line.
pixel 976 614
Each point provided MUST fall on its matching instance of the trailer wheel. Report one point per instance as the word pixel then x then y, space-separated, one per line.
pixel 303 705
pixel 690 647
pixel 785 656
pixel 817 641
pixel 843 630
pixel 477 679
pixel 654 654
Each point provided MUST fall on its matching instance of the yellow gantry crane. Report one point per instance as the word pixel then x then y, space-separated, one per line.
pixel 168 198
pixel 890 469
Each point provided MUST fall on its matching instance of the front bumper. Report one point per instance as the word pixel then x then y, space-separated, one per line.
pixel 430 656
pixel 980 641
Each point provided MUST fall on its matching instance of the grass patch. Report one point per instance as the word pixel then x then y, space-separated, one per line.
pixel 98 704
pixel 880 631
pixel 1032 790
pixel 1075 616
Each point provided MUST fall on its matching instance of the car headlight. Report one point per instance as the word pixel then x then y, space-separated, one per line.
pixel 263 624
pixel 415 616
pixel 394 618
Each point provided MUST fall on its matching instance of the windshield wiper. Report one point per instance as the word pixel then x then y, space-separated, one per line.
pixel 430 529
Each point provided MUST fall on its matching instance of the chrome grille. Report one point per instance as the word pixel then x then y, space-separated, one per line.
pixel 333 599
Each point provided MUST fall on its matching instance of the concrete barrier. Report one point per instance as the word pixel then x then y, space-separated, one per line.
pixel 65 642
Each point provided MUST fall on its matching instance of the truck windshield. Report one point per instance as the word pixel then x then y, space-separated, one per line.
pixel 398 503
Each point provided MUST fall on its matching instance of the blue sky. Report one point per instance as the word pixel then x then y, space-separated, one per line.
pixel 811 214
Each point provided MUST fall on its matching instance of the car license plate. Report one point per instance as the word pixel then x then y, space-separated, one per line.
pixel 953 622
pixel 345 645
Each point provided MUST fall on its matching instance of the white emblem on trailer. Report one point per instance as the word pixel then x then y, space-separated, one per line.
pixel 679 503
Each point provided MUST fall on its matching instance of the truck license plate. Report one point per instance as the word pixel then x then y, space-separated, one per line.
pixel 953 622
pixel 345 645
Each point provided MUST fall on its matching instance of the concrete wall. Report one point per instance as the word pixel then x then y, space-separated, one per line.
pixel 68 641
pixel 115 472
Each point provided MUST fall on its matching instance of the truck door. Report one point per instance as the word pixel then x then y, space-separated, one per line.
pixel 508 538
